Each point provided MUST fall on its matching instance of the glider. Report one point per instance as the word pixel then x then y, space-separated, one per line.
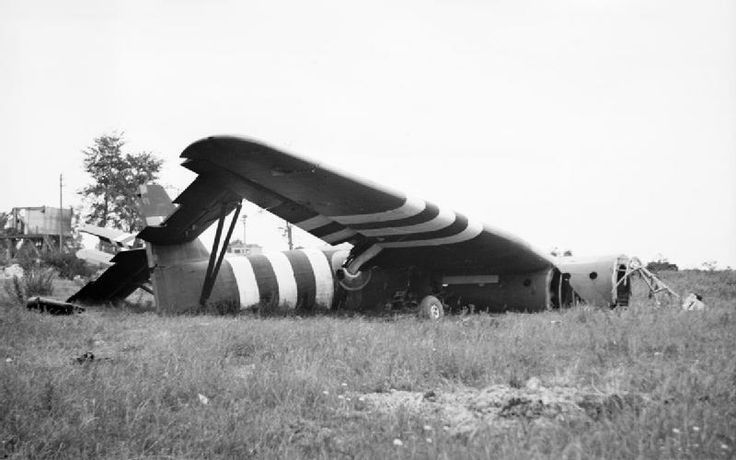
pixel 406 252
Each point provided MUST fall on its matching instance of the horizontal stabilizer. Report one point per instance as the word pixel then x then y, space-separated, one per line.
pixel 95 257
pixel 109 235
pixel 128 272
pixel 201 204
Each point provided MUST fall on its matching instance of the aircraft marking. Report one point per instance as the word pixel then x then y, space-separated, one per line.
pixel 324 284
pixel 342 235
pixel 266 281
pixel 304 277
pixel 471 231
pixel 445 218
pixel 245 277
pixel 313 222
pixel 284 279
pixel 411 207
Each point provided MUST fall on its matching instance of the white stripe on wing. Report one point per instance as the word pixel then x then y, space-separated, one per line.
pixel 411 207
pixel 471 231
pixel 313 222
pixel 445 218
pixel 337 236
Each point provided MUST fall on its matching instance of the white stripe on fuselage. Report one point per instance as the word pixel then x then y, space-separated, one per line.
pixel 245 278
pixel 324 283
pixel 285 278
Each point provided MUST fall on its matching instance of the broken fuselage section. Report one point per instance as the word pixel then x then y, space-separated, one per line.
pixel 186 277
pixel 306 280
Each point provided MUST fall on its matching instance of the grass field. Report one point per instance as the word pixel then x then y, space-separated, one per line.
pixel 647 381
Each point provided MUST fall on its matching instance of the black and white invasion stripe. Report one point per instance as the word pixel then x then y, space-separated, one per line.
pixel 416 223
pixel 299 279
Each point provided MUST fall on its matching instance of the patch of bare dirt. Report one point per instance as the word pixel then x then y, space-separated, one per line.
pixel 498 407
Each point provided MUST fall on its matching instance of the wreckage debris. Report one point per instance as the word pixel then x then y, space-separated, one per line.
pixel 693 302
pixel 52 306
pixel 85 357
pixel 88 357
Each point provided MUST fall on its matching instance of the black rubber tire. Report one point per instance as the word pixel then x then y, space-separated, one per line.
pixel 431 308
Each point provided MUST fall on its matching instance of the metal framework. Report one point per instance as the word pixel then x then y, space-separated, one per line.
pixel 654 284
pixel 213 267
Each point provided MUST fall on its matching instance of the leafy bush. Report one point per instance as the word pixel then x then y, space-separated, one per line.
pixel 37 281
pixel 26 257
pixel 15 290
pixel 67 265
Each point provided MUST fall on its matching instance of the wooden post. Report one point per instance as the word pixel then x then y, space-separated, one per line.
pixel 61 216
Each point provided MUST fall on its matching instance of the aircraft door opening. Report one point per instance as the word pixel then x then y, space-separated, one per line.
pixel 561 293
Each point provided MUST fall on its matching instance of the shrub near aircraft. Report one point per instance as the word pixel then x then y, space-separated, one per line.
pixel 406 252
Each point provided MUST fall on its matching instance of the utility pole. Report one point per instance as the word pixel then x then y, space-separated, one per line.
pixel 289 237
pixel 61 215
pixel 244 228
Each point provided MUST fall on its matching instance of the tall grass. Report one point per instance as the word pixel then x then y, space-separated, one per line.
pixel 279 388
pixel 36 281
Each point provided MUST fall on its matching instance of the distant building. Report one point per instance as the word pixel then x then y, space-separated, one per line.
pixel 38 227
pixel 39 221
pixel 238 248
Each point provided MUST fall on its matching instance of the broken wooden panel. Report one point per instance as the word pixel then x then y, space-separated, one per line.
pixel 128 272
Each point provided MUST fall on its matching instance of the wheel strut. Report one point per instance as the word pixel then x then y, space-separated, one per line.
pixel 213 267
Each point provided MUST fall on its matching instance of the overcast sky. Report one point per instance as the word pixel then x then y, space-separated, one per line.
pixel 600 126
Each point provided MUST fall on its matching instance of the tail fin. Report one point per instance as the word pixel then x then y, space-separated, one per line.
pixel 155 207
pixel 177 268
pixel 155 204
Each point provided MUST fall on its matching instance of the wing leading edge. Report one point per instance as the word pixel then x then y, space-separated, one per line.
pixel 387 227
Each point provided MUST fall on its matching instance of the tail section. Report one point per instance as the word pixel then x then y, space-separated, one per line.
pixel 270 282
pixel 154 204
pixel 178 269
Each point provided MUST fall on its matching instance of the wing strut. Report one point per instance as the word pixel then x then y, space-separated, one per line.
pixel 213 268
pixel 654 284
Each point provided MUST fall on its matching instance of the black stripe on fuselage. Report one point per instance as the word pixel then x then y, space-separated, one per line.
pixel 306 285
pixel 268 285
pixel 460 224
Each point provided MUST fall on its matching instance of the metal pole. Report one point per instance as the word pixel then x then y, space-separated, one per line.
pixel 245 231
pixel 289 235
pixel 61 216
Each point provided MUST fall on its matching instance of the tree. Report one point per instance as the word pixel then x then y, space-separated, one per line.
pixel 116 177
pixel 710 265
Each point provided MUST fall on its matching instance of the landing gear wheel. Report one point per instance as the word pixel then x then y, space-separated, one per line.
pixel 431 308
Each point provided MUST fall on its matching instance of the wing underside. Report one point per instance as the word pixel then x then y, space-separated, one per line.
pixel 395 230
